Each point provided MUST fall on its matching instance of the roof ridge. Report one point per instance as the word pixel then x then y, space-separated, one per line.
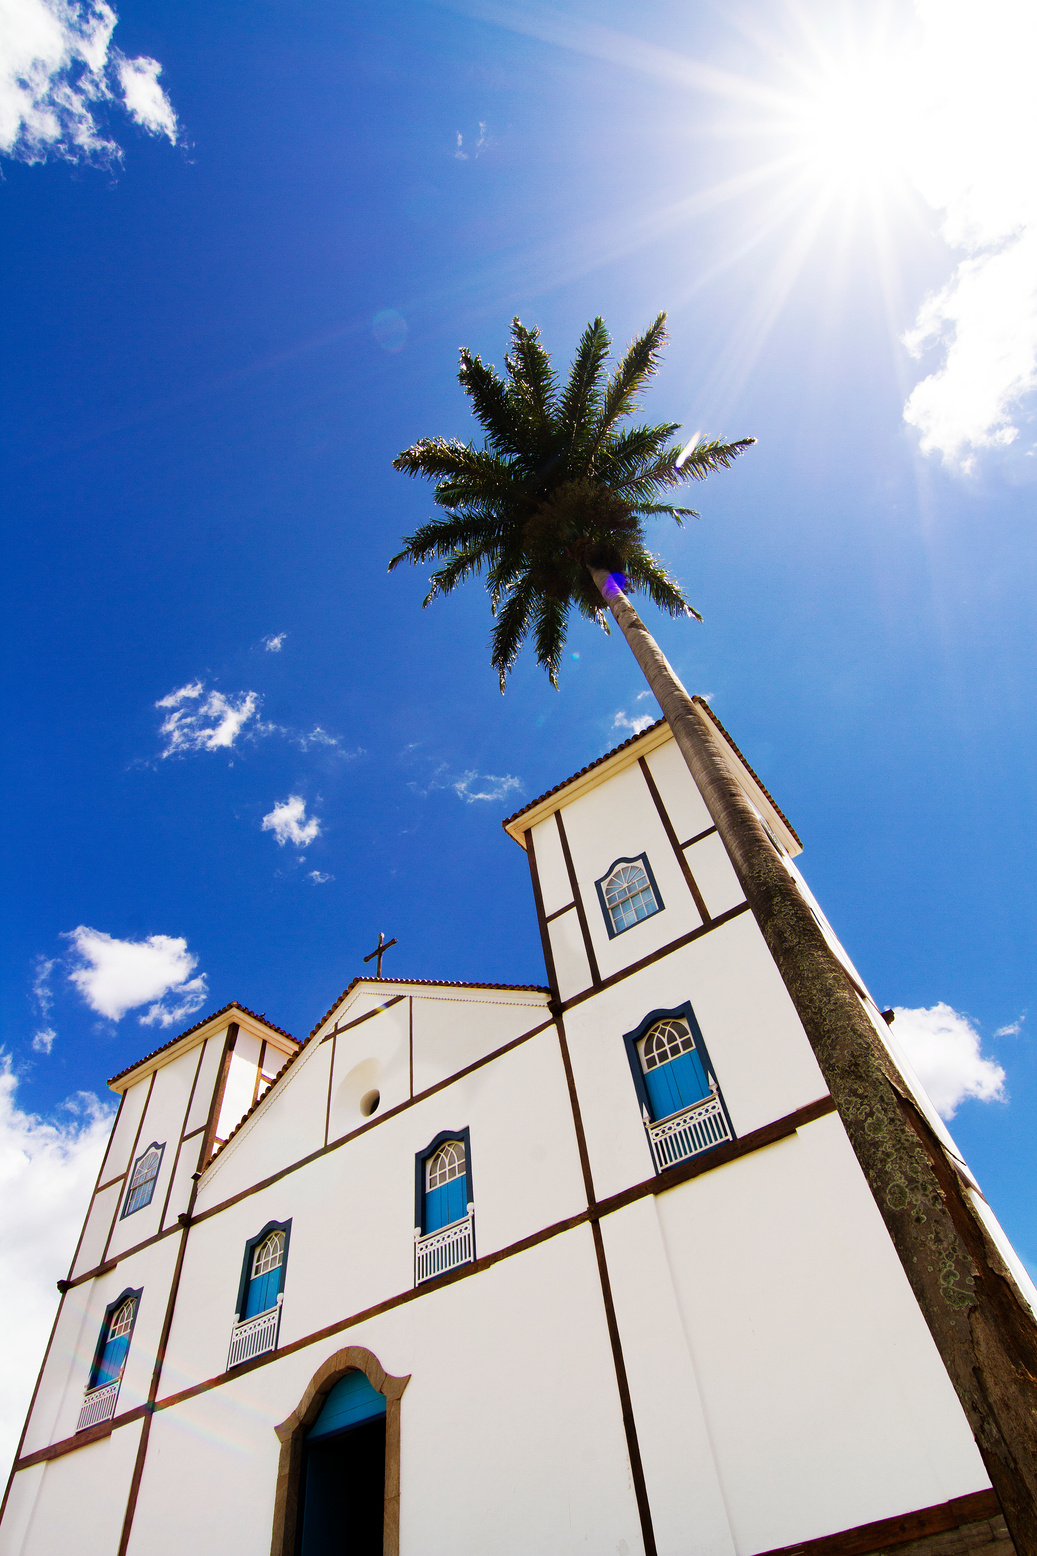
pixel 430 983
pixel 749 767
pixel 233 1005
pixel 445 983
pixel 702 703
pixel 589 768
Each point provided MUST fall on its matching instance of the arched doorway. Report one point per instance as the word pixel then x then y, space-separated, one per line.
pixel 338 1484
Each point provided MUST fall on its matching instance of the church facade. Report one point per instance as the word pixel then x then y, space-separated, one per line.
pixel 507 1271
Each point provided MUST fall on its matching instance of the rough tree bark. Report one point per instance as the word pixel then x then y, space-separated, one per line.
pixel 983 1326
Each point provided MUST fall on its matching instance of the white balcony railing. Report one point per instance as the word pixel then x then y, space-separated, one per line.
pixel 689 1132
pixel 98 1405
pixel 444 1250
pixel 253 1336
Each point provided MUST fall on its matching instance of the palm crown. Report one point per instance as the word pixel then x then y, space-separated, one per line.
pixel 557 489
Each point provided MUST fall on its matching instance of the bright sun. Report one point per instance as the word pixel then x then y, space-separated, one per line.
pixel 850 125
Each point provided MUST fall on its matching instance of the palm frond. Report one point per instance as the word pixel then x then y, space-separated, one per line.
pixel 638 453
pixel 652 509
pixel 432 457
pixel 532 386
pixel 646 572
pixel 550 635
pixel 582 397
pixel 491 403
pixel 510 628
pixel 490 483
pixel 708 457
pixel 630 377
pixel 442 537
pixel 462 565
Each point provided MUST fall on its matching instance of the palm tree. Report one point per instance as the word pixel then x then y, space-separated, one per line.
pixel 551 509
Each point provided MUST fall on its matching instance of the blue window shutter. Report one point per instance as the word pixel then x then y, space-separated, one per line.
pixel 262 1292
pixel 690 1078
pixel 352 1400
pixel 446 1204
pixel 436 1208
pixel 113 1359
pixel 676 1085
pixel 456 1199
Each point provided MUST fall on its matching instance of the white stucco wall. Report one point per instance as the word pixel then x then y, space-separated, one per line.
pixel 827 1403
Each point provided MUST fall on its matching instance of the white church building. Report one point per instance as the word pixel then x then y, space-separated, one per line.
pixel 482 1270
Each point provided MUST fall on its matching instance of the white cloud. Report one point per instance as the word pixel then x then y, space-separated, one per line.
pixel 47 1172
pixel 182 694
pixel 274 643
pixel 1012 1029
pixel 970 154
pixel 499 786
pixel 289 823
pixel 210 725
pixel 319 737
pixel 41 989
pixel 944 1048
pixel 491 786
pixel 319 878
pixel 43 1040
pixel 145 99
pixel 58 70
pixel 635 724
pixel 114 976
pixel 461 154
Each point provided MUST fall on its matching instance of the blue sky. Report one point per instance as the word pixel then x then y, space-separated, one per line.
pixel 236 278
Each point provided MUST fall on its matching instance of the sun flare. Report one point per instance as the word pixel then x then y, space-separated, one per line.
pixel 852 123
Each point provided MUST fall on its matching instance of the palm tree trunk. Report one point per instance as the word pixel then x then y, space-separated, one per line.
pixel 983 1327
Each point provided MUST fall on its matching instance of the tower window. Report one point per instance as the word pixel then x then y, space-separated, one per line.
pixel 674 1074
pixel 628 894
pixel 682 1107
pixel 143 1179
pixel 113 1344
pixel 112 1358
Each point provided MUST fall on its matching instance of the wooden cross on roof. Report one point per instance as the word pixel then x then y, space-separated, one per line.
pixel 379 951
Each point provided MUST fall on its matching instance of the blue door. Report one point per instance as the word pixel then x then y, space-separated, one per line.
pixel 676 1084
pixel 343 1473
pixel 352 1400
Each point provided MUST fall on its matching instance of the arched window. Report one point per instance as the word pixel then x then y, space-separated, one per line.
pixel 112 1356
pixel 673 1069
pixel 627 894
pixel 264 1284
pixel 446 1186
pixel 257 1315
pixel 143 1178
pixel 113 1344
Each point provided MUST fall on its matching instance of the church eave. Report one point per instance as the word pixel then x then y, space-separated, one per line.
pixel 189 1031
pixel 648 739
pixel 429 983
